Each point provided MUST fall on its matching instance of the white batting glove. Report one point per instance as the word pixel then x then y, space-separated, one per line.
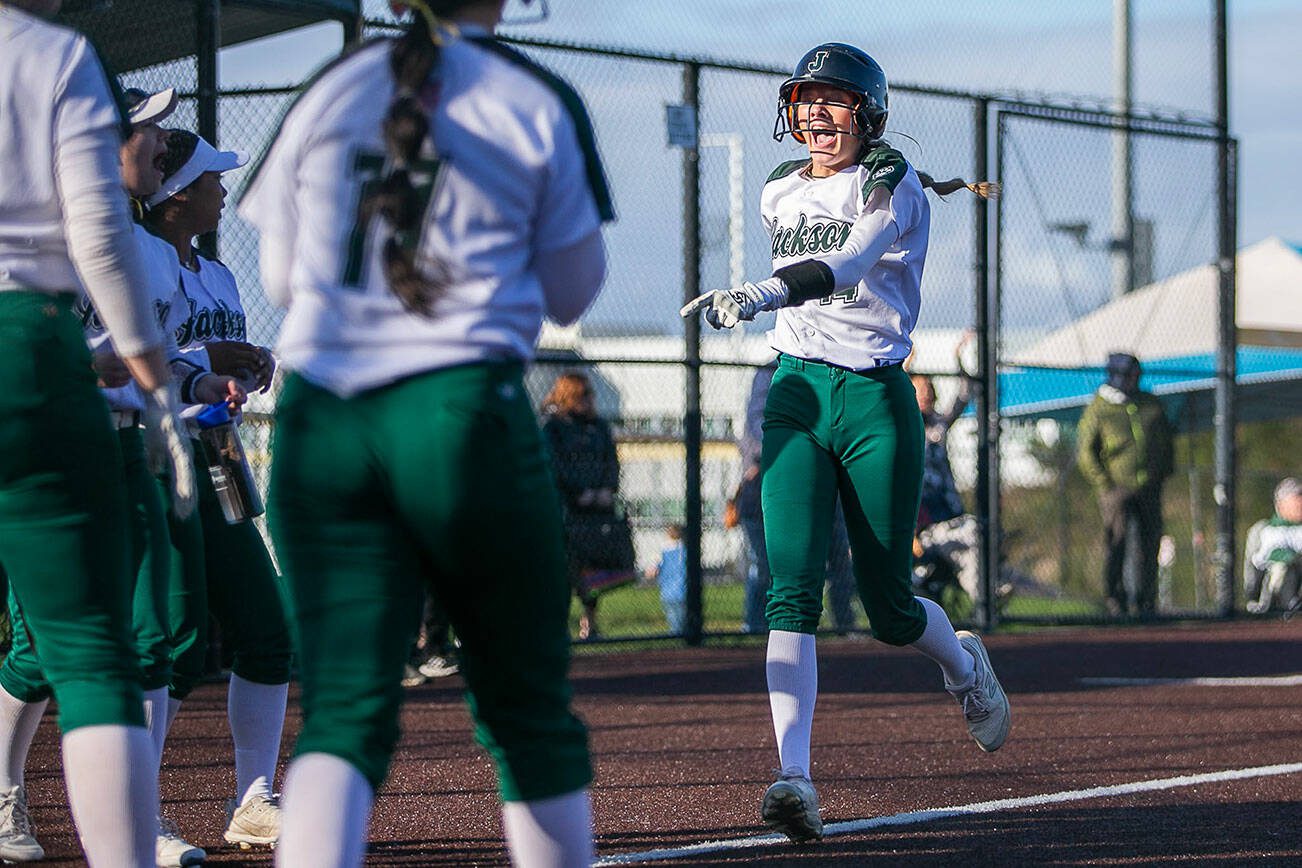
pixel 724 309
pixel 168 446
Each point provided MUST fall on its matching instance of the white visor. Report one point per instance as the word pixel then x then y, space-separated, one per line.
pixel 153 108
pixel 205 158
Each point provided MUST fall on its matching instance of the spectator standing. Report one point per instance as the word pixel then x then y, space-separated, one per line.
pixel 671 575
pixel 1126 452
pixel 597 538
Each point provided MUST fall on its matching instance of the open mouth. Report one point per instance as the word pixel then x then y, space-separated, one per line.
pixel 823 134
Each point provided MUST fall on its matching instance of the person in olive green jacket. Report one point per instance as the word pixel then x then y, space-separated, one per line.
pixel 1126 453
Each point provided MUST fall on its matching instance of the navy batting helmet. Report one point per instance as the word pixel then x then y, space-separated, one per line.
pixel 839 65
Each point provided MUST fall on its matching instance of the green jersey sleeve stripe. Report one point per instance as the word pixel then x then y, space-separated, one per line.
pixel 574 105
pixel 786 169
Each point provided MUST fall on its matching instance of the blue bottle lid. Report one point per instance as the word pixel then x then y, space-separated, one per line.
pixel 213 415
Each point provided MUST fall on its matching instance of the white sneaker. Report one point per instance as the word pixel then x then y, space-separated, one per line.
pixel 790 806
pixel 17 841
pixel 173 851
pixel 440 666
pixel 257 821
pixel 985 705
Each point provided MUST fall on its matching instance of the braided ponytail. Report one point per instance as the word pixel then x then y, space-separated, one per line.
pixel 406 126
pixel 984 189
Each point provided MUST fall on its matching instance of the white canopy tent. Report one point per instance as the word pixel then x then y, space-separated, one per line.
pixel 1171 327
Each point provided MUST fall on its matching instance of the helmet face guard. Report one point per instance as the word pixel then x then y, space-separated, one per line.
pixel 791 107
pixel 840 66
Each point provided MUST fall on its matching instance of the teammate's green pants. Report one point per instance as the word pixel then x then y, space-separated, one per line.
pixel 827 429
pixel 63 537
pixel 224 569
pixel 436 481
pixel 21 673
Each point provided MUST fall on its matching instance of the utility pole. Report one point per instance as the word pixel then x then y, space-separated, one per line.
pixel 1123 214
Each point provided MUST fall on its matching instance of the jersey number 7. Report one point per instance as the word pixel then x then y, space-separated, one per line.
pixel 368 170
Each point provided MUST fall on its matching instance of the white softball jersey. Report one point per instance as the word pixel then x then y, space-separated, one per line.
pixel 213 311
pixel 867 323
pixel 170 306
pixel 514 173
pixel 33 252
pixel 63 218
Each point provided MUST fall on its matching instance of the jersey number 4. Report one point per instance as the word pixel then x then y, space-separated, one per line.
pixel 368 171
pixel 846 295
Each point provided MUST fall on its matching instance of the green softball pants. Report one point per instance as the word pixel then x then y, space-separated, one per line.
pixel 63 513
pixel 224 570
pixel 21 674
pixel 830 430
pixel 438 481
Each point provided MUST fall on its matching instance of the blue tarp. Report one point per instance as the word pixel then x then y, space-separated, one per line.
pixel 1269 386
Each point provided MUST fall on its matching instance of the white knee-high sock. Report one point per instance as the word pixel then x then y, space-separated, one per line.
pixel 550 833
pixel 792 668
pixel 18 723
pixel 156 721
pixel 257 716
pixel 940 644
pixel 113 791
pixel 326 810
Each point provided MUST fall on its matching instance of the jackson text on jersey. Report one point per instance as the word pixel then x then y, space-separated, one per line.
pixel 808 239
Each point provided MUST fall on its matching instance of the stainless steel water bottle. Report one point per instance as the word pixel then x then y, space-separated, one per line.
pixel 232 478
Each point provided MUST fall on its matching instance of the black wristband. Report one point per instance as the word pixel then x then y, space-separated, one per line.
pixel 807 281
pixel 187 385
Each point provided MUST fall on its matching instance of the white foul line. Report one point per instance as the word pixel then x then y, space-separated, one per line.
pixel 1248 681
pixel 925 816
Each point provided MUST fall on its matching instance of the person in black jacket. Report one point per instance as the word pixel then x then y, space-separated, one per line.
pixel 587 473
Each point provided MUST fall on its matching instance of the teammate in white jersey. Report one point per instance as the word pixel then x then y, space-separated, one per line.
pixel 223 568
pixel 849 226
pixel 426 203
pixel 64 226
pixel 24 687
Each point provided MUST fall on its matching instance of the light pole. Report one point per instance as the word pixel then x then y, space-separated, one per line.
pixel 1124 279
pixel 736 200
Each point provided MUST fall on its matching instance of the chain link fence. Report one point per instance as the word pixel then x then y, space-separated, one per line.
pixel 1052 265
pixel 1076 283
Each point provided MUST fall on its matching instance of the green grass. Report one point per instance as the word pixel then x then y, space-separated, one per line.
pixel 634 612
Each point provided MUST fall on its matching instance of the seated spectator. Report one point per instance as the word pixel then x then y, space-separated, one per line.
pixel 1272 558
pixel 945 531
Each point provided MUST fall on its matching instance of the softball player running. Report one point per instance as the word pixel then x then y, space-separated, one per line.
pixel 426 203
pixel 63 508
pixel 849 229
pixel 217 566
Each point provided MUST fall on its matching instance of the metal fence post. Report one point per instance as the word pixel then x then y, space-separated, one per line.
pixel 207 44
pixel 987 403
pixel 1225 489
pixel 692 361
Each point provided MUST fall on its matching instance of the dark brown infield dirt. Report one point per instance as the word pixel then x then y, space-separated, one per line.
pixel 684 748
